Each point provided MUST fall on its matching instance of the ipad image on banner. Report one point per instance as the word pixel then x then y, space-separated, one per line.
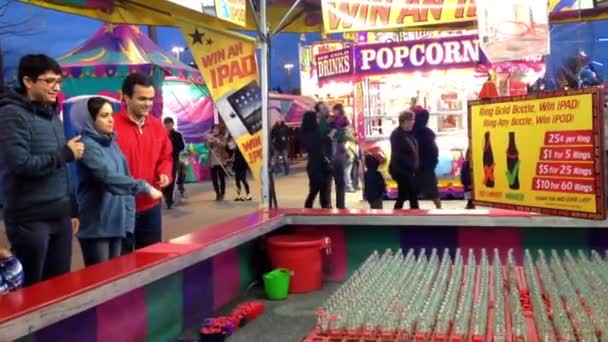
pixel 247 104
pixel 235 125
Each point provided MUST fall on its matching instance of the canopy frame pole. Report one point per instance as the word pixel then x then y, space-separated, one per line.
pixel 256 17
pixel 285 18
pixel 263 46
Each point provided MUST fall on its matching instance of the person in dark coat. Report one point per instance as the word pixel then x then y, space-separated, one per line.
pixel 318 168
pixel 467 181
pixel 375 186
pixel 106 191
pixel 40 211
pixel 177 142
pixel 428 153
pixel 404 162
pixel 240 168
pixel 280 139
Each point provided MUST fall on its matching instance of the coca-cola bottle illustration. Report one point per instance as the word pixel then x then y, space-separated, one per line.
pixel 488 162
pixel 512 163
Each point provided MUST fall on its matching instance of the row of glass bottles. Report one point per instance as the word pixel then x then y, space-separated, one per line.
pixel 416 297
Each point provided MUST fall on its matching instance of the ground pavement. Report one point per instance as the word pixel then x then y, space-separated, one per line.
pixel 200 209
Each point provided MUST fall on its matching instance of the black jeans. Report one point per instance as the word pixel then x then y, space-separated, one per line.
pixel 99 250
pixel 407 190
pixel 338 166
pixel 375 204
pixel 218 178
pixel 240 176
pixel 43 247
pixel 169 191
pixel 147 232
pixel 318 185
pixel 355 174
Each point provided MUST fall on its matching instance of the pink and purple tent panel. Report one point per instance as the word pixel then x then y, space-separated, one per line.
pixel 118 50
pixel 190 106
pixel 290 108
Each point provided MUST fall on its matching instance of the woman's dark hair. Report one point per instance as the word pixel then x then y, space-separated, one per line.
pixel 94 106
pixel 128 85
pixel 33 66
pixel 309 122
pixel 318 106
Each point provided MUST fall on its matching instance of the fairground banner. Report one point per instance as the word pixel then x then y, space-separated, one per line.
pixel 230 10
pixel 227 62
pixel 369 15
pixel 540 153
pixel 395 57
pixel 421 55
pixel 334 64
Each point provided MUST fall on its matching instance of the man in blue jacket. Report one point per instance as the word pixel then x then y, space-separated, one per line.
pixel 39 204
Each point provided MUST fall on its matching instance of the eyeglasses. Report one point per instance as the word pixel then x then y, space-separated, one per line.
pixel 51 82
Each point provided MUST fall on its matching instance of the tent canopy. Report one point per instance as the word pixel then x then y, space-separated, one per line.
pixel 305 18
pixel 117 50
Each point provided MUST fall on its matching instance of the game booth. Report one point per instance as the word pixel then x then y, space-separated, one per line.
pixel 373 76
pixel 530 265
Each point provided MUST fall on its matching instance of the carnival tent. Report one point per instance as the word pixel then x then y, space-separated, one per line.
pixel 99 65
pixel 289 108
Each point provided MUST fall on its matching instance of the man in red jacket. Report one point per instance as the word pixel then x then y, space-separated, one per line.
pixel 144 142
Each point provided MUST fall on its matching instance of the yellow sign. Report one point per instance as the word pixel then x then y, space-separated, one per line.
pixel 228 64
pixel 366 15
pixel 539 153
pixel 232 11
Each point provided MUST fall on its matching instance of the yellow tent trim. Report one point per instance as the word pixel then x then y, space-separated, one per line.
pixel 164 13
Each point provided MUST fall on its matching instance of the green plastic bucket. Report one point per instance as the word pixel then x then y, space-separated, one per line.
pixel 276 283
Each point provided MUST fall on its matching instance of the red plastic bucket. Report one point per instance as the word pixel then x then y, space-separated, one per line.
pixel 302 254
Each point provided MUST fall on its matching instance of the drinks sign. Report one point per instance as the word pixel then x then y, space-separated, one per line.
pixel 540 153
pixel 334 64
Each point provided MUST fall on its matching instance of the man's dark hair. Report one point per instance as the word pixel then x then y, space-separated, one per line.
pixel 94 105
pixel 33 66
pixel 168 120
pixel 318 106
pixel 128 85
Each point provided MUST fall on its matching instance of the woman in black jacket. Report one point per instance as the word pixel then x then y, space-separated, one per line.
pixel 428 154
pixel 240 168
pixel 318 167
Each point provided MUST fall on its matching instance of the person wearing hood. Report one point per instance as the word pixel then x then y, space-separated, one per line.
pixel 428 154
pixel 39 209
pixel 106 191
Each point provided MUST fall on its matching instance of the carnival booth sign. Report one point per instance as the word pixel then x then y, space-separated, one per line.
pixel 513 29
pixel 334 64
pixel 428 54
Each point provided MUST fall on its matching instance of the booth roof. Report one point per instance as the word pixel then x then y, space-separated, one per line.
pixel 117 50
pixel 307 17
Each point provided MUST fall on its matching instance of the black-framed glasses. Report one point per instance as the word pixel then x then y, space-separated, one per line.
pixel 51 82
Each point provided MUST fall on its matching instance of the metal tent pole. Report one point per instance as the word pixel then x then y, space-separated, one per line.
pixel 263 46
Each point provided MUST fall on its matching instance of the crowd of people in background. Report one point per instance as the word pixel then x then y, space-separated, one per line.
pixel 334 156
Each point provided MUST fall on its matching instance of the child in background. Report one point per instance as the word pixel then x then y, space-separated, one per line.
pixel 339 124
pixel 465 178
pixel 11 272
pixel 375 186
